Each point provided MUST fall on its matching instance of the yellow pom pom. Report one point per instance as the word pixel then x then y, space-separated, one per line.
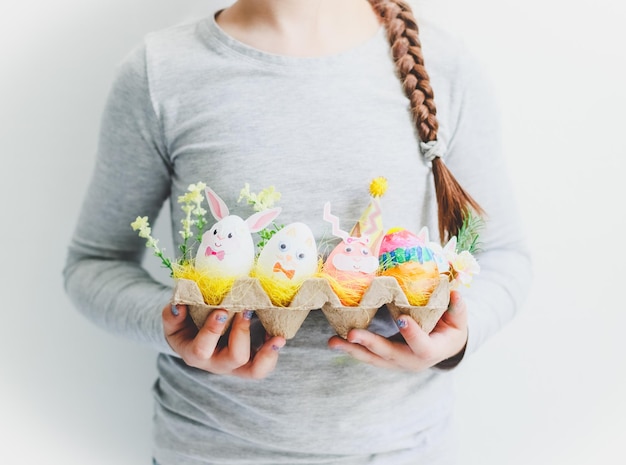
pixel 378 187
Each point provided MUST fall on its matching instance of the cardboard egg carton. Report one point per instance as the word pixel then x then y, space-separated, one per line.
pixel 315 294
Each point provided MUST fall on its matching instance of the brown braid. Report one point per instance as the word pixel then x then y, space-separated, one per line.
pixel 453 203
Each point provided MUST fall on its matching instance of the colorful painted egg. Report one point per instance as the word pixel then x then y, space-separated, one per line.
pixel 408 258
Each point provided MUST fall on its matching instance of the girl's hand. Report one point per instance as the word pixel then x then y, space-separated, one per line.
pixel 419 350
pixel 199 347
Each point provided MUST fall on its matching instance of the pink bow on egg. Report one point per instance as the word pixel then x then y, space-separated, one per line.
pixel 219 254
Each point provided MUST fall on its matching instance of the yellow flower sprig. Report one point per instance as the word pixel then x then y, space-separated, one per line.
pixel 195 218
pixel 262 201
pixel 192 205
pixel 142 225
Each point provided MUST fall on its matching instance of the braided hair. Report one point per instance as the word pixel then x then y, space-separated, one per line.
pixel 453 203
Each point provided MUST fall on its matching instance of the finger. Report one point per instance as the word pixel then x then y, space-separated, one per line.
pixel 173 318
pixel 265 360
pixel 373 343
pixel 238 351
pixel 201 348
pixel 456 315
pixel 176 327
pixel 451 331
pixel 370 348
pixel 337 343
pixel 416 338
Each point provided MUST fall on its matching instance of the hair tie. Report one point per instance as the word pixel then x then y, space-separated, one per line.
pixel 432 149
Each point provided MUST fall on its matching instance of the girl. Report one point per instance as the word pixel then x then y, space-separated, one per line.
pixel 315 97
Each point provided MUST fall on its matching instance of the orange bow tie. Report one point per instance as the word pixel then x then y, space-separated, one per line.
pixel 288 273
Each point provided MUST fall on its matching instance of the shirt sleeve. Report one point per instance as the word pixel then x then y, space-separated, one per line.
pixel 103 274
pixel 475 157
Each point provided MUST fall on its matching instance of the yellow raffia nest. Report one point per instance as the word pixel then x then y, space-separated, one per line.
pixel 280 292
pixel 213 288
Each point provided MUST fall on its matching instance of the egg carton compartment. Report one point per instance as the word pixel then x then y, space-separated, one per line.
pixel 315 294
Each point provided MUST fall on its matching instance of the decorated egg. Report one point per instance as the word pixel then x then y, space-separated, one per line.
pixel 351 265
pixel 286 261
pixel 227 249
pixel 290 255
pixel 352 258
pixel 409 258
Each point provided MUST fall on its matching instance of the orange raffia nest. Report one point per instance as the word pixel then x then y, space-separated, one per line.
pixel 416 280
pixel 349 290
pixel 212 288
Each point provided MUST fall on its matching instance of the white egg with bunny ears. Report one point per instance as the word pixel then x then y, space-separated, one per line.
pixel 227 248
pixel 290 255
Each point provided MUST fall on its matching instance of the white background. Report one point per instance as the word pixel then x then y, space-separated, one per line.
pixel 548 389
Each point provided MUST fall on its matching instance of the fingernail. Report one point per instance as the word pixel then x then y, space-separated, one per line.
pixel 454 300
pixel 276 348
pixel 401 322
pixel 247 315
pixel 175 311
pixel 221 318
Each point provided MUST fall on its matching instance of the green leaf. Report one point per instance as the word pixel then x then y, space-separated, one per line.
pixel 469 233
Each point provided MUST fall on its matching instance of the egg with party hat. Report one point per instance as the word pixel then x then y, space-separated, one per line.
pixel 351 265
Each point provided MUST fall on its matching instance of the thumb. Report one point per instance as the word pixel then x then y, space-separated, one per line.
pixel 456 315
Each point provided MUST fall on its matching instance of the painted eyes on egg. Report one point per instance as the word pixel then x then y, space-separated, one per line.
pixel 230 235
pixel 284 247
pixel 365 252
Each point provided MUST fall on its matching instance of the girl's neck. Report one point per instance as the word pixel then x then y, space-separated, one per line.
pixel 300 27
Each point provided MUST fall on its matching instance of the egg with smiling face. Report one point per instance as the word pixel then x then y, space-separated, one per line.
pixel 226 249
pixel 351 258
pixel 350 268
pixel 290 255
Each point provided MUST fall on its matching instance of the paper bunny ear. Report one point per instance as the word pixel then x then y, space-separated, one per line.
pixel 216 204
pixel 334 221
pixel 423 235
pixel 261 219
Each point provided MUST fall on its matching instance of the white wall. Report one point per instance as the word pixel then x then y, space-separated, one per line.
pixel 546 390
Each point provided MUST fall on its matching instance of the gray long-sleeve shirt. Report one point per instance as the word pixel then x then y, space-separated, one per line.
pixel 192 104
